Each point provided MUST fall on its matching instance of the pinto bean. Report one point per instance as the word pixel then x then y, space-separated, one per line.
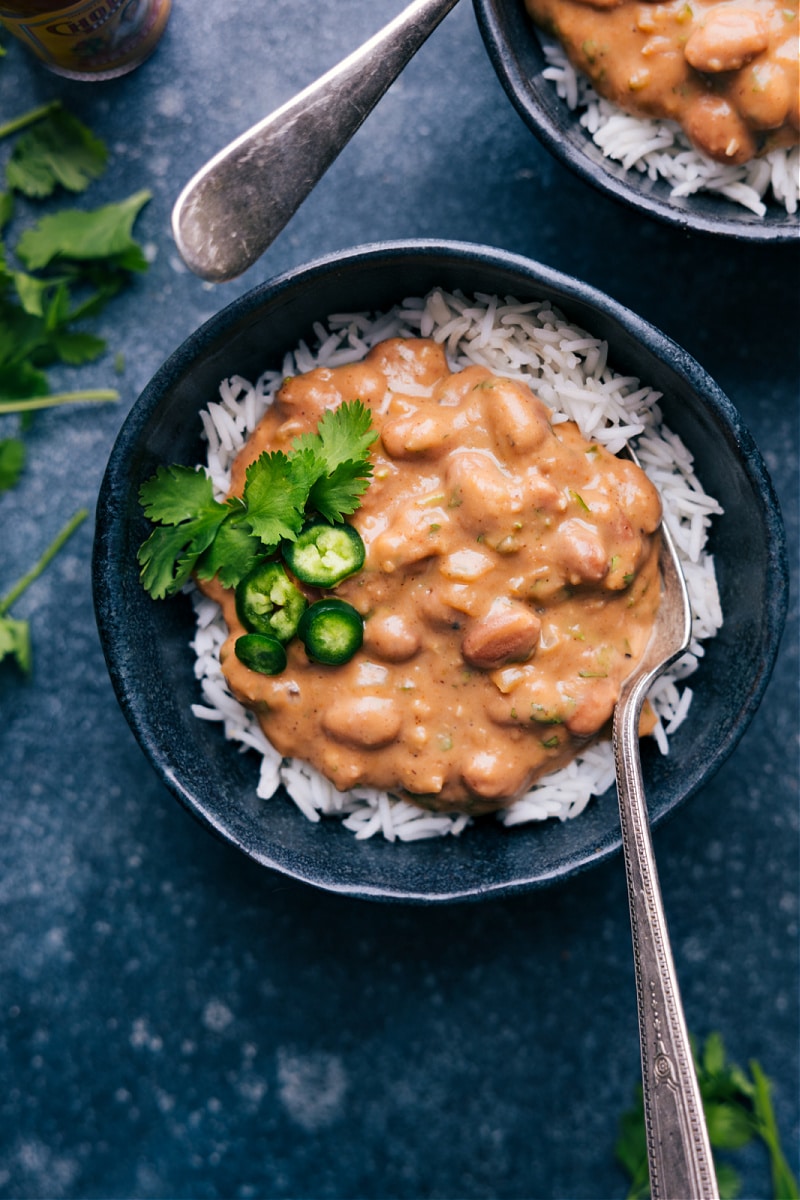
pixel 579 551
pixel 368 721
pixel 477 483
pixel 714 127
pixel 424 365
pixel 635 494
pixel 728 38
pixel 413 535
pixel 763 94
pixel 517 418
pixel 390 637
pixel 594 708
pixel 508 633
pixel 416 434
pixel 491 776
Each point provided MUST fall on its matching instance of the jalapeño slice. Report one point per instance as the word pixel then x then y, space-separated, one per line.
pixel 260 653
pixel 267 602
pixel 331 631
pixel 323 555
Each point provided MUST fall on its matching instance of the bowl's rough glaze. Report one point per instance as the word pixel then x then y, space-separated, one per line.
pixel 518 59
pixel 146 643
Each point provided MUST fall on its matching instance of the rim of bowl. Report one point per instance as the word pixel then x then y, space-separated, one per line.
pixel 517 57
pixel 440 255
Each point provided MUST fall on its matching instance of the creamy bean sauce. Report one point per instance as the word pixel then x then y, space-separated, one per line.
pixel 726 72
pixel 510 583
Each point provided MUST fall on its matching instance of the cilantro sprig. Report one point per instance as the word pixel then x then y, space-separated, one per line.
pixel 738 1110
pixel 62 271
pixel 325 472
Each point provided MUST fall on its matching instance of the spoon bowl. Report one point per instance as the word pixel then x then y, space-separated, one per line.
pixel 232 209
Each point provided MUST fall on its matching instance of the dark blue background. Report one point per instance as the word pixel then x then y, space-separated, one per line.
pixel 174 1022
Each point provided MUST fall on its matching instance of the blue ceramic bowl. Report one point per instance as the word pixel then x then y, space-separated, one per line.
pixel 146 643
pixel 516 54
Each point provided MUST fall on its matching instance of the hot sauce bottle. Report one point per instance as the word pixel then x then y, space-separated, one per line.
pixel 87 39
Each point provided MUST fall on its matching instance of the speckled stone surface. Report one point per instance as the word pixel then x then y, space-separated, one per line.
pixel 174 1022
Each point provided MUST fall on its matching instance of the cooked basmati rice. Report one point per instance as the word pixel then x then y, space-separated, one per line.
pixel 661 150
pixel 568 370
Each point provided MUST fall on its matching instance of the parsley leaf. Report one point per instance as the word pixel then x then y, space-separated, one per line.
pixel 738 1110
pixel 103 233
pixel 60 150
pixel 326 472
pixel 15 638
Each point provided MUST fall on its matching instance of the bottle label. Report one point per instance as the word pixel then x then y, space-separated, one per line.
pixel 92 36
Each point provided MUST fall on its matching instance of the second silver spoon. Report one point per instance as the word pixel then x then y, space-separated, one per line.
pixel 237 204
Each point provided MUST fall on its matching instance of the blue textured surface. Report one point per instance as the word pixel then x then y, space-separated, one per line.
pixel 176 1022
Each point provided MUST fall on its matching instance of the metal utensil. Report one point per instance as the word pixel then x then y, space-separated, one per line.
pixel 237 204
pixel 678 1149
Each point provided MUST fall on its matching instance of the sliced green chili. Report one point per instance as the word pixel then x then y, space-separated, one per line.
pixel 323 555
pixel 267 602
pixel 331 631
pixel 261 653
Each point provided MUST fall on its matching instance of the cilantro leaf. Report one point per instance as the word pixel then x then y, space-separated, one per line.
pixel 737 1108
pixel 75 347
pixel 31 292
pixel 6 209
pixel 60 149
pixel 103 233
pixel 335 495
pixel 167 557
pixel 275 497
pixel 729 1126
pixel 12 460
pixel 232 555
pixel 182 499
pixel 343 434
pixel 339 445
pixel 176 494
pixel 15 642
pixel 19 381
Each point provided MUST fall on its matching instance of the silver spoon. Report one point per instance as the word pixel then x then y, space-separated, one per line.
pixel 678 1149
pixel 237 204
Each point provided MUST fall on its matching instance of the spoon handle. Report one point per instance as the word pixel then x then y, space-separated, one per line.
pixel 678 1149
pixel 238 203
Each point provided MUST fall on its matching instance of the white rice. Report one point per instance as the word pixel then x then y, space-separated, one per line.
pixel 661 150
pixel 568 370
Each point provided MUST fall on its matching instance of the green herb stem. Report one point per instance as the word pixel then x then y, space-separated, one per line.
pixel 784 1184
pixel 49 554
pixel 29 118
pixel 90 396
